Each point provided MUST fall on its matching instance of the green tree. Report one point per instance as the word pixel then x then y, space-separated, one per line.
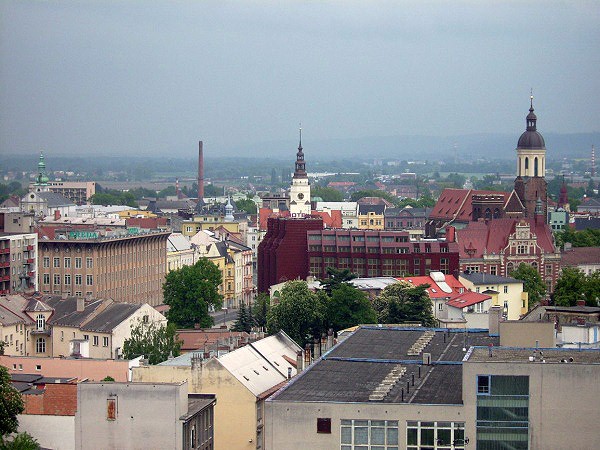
pixel 244 320
pixel 584 238
pixel 246 204
pixel 153 340
pixel 190 291
pixel 532 282
pixel 327 194
pixel 347 307
pixel 574 285
pixel 299 313
pixel 210 190
pixel 108 379
pixel 260 310
pixel 402 302
pixel 169 191
pixel 11 404
pixel 335 277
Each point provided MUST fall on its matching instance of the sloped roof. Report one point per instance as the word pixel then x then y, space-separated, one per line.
pixel 65 310
pixel 456 204
pixel 198 339
pixel 468 298
pixel 261 365
pixel 178 242
pixel 330 220
pixel 434 290
pixel 493 236
pixel 54 199
pixel 370 208
pixel 11 310
pixel 486 278
pixel 35 305
pixel 108 319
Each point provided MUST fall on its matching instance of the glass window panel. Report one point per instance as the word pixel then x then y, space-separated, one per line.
pixel 346 435
pixel 392 436
pixel 377 435
pixel 361 435
pixel 377 423
pixel 393 423
pixel 444 436
pixel 346 422
pixel 346 447
pixel 377 447
pixel 361 423
pixel 427 436
pixel 427 425
pixel 411 436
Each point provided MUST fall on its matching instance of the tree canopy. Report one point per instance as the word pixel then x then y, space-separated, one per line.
pixel 189 291
pixel 402 302
pixel 155 341
pixel 247 205
pixel 260 310
pixel 113 197
pixel 532 282
pixel 327 194
pixel 585 238
pixel 11 404
pixel 348 306
pixel 299 313
pixel 574 285
pixel 244 321
pixel 374 193
pixel 335 277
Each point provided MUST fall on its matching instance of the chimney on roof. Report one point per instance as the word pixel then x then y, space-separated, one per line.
pixel 494 315
pixel 56 214
pixel 64 295
pixel 200 171
pixel 450 234
pixel 299 361
pixel 80 304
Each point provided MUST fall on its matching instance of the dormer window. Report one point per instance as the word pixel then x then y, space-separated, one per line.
pixel 41 321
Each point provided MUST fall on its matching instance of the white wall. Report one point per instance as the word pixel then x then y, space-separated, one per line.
pixel 56 432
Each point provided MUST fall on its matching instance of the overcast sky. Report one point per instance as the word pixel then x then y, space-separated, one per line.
pixel 154 77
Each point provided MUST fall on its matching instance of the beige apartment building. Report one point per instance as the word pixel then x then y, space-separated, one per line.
pixel 79 192
pixel 123 266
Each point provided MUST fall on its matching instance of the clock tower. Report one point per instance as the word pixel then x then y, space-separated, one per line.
pixel 300 187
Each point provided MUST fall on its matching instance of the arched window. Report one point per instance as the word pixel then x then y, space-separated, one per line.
pixel 509 268
pixel 40 345
pixel 535 167
pixel 496 213
pixel 488 214
pixel 41 321
pixel 526 165
pixel 534 265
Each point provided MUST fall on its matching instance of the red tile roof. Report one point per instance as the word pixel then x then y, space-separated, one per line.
pixel 580 255
pixel 467 299
pixel 456 204
pixel 265 213
pixel 333 220
pixel 434 290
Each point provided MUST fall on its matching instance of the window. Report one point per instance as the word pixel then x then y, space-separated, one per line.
pixel 78 280
pixel 89 263
pixel 40 345
pixel 445 266
pixel 105 341
pixel 111 409
pixel 46 262
pixel 86 337
pixel 502 412
pixel 521 249
pixel 67 263
pixel 56 262
pixel 324 425
pixel 493 270
pixel 479 307
pixel 68 280
pixel 435 435
pixel 89 279
pixel 440 306
pixel 40 321
pixel 38 367
pixel 506 289
pixel 46 278
pixel 78 263
pixel 95 341
pixel 369 434
pixel 57 279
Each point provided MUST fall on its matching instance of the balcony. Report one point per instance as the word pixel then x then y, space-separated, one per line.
pixel 4 250
pixel 4 292
pixel 31 273
pixel 5 278
pixel 46 331
pixel 5 264
pixel 30 247
pixel 30 260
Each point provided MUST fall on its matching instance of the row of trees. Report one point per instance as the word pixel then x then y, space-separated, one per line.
pixel 584 238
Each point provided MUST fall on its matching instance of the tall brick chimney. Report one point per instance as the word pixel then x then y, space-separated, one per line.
pixel 200 171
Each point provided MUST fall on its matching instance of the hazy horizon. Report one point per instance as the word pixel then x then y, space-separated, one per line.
pixel 154 77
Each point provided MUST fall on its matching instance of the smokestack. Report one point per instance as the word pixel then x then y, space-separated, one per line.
pixel 200 171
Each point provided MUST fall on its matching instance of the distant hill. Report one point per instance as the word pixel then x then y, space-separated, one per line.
pixel 577 145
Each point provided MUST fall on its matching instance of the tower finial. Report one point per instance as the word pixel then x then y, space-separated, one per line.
pixel 300 131
pixel 531 98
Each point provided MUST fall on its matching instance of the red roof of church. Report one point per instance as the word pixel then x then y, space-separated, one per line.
pixel 493 236
pixel 265 213
pixel 333 220
pixel 457 204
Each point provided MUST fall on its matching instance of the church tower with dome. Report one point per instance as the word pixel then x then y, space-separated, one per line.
pixel 530 184
pixel 300 187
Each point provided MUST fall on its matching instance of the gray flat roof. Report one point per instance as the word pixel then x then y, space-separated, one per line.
pixel 363 363
pixel 549 355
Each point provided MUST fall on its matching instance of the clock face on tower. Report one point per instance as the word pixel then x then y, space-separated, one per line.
pixel 300 195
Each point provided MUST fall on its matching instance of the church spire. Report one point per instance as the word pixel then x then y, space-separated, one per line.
pixel 300 168
pixel 531 117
